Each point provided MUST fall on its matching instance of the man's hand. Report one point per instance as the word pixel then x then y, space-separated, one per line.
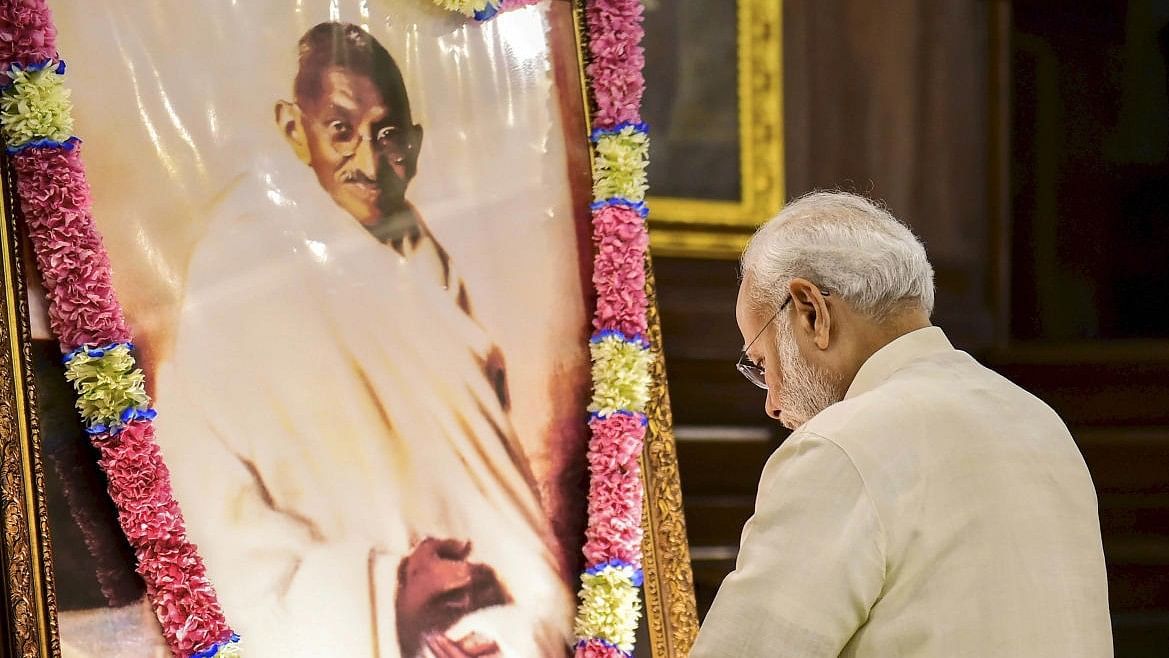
pixel 471 646
pixel 437 586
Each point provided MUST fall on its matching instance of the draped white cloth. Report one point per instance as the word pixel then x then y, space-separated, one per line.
pixel 327 400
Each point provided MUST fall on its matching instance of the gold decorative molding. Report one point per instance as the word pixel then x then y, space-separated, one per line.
pixel 720 229
pixel 31 605
pixel 669 582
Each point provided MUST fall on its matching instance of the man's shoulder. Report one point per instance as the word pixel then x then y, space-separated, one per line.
pixel 930 392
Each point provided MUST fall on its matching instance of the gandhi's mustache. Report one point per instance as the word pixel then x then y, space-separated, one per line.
pixel 358 177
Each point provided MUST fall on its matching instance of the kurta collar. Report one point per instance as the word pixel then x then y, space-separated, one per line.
pixel 896 355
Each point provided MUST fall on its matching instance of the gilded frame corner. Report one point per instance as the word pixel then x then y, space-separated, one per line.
pixel 30 604
pixel 720 229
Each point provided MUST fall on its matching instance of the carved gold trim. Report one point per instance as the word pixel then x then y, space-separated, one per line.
pixel 719 229
pixel 671 614
pixel 31 604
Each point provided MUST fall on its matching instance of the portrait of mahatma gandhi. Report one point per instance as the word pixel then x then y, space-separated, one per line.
pixel 396 448
pixel 349 121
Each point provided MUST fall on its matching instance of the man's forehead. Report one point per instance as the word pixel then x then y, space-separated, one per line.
pixel 340 86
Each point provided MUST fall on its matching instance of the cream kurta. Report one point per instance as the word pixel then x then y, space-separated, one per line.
pixel 939 510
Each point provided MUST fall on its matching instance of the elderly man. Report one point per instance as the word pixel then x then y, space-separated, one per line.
pixel 923 505
pixel 350 122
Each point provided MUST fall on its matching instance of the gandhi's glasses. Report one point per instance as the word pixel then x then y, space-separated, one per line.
pixel 751 370
pixel 389 141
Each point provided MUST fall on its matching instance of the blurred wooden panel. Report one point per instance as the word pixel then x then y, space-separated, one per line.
pixel 1087 392
pixel 891 99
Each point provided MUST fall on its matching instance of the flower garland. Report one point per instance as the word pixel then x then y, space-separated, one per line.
pixel 610 608
pixel 482 10
pixel 85 315
pixel 37 125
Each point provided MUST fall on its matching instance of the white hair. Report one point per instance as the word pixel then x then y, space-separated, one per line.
pixel 847 245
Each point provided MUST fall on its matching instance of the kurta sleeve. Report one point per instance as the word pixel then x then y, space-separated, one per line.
pixel 811 562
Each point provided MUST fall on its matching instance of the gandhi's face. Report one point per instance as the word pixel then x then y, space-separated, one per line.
pixel 361 148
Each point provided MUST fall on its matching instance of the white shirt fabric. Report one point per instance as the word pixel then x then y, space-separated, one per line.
pixel 938 510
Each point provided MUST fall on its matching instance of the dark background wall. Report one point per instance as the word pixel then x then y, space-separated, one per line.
pixel 1026 142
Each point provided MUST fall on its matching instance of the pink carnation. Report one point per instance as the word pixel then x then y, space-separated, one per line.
pixel 616 442
pixel 139 483
pixel 183 599
pixel 615 490
pixel 619 270
pixel 614 529
pixel 615 34
pixel 596 649
pixel 55 199
pixel 27 35
pixel 176 580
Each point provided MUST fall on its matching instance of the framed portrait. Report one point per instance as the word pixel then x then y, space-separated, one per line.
pixel 715 108
pixel 352 241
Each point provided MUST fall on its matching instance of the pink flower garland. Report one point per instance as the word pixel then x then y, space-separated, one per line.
pixel 84 311
pixel 83 308
pixel 27 34
pixel 618 270
pixel 614 533
pixel 615 72
pixel 614 527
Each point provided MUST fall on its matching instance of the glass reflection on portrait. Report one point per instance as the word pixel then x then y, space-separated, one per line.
pixel 337 417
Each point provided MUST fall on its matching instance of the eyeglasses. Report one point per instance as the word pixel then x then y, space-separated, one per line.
pixel 390 141
pixel 754 372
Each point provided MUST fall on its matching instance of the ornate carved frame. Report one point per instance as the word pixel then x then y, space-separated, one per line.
pixel 30 605
pixel 29 620
pixel 720 229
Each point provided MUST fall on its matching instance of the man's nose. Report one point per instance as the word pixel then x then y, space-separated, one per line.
pixel 772 408
pixel 365 160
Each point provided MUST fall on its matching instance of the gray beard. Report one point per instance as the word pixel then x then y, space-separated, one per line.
pixel 806 390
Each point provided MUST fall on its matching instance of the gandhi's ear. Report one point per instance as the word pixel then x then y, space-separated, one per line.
pixel 290 121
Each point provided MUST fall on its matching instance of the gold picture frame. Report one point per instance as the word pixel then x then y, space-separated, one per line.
pixel 26 555
pixel 707 228
pixel 29 616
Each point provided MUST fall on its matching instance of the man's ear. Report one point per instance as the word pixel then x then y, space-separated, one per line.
pixel 290 121
pixel 812 314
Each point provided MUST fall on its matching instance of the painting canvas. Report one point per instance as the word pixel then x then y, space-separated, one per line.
pixel 352 241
